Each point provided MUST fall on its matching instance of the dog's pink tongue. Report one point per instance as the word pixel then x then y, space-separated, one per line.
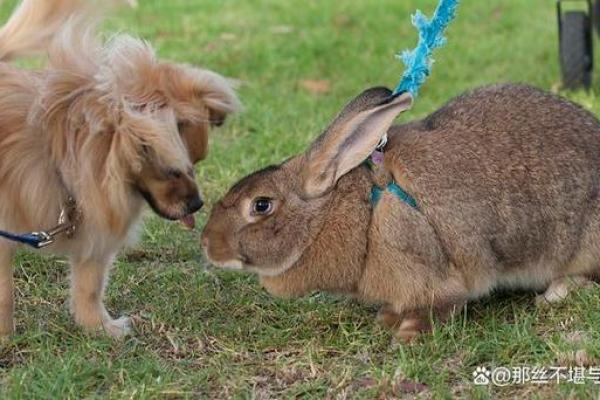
pixel 189 221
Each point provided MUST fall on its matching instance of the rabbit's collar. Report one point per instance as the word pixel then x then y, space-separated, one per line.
pixel 373 162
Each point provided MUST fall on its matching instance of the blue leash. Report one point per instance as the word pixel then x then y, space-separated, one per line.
pixel 418 61
pixel 37 240
pixel 69 216
pixel 418 64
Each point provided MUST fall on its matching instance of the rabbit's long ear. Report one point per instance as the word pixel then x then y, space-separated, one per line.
pixel 350 138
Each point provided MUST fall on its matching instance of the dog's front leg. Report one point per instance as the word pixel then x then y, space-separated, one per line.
pixel 7 325
pixel 88 280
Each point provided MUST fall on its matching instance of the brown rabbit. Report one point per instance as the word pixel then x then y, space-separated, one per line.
pixel 506 180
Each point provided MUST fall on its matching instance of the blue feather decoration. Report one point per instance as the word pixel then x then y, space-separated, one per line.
pixel 418 61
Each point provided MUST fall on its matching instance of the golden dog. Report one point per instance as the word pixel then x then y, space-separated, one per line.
pixel 103 129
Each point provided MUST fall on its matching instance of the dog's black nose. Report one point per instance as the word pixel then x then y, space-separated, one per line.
pixel 194 204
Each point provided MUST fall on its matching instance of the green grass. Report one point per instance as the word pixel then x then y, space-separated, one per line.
pixel 202 333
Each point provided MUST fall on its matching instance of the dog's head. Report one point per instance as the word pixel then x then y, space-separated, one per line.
pixel 171 108
pixel 144 122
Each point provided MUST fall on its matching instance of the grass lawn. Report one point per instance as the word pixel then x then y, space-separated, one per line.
pixel 202 333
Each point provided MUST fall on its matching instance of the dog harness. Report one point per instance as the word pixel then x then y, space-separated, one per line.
pixel 68 219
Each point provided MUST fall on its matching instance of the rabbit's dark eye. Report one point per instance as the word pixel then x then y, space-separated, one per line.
pixel 262 206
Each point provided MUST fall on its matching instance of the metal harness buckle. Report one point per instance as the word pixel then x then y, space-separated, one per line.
pixel 45 239
pixel 67 224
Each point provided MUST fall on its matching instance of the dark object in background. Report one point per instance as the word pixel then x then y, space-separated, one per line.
pixel 596 16
pixel 576 43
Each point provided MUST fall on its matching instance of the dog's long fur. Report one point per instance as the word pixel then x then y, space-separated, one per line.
pixel 105 123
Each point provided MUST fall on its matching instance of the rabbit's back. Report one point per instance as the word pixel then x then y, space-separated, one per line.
pixel 508 176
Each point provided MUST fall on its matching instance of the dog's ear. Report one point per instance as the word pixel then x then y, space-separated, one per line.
pixel 350 138
pixel 218 94
pixel 136 76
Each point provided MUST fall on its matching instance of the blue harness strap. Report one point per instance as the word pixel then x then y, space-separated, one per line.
pixel 397 190
pixel 393 187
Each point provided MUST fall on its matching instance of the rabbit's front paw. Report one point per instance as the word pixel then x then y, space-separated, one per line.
pixel 411 326
pixel 404 327
pixel 388 318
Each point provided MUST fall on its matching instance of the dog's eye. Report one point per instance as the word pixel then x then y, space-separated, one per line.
pixel 217 121
pixel 181 126
pixel 262 206
pixel 173 174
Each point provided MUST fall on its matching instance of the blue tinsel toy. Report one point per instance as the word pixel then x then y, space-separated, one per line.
pixel 431 36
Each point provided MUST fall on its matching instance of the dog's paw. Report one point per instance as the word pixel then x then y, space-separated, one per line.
pixel 7 330
pixel 119 327
pixel 4 339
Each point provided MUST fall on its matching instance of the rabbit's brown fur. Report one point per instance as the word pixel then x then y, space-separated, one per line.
pixel 506 178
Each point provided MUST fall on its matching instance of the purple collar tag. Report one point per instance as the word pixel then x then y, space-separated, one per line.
pixel 377 157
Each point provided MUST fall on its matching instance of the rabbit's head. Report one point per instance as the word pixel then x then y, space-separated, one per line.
pixel 267 220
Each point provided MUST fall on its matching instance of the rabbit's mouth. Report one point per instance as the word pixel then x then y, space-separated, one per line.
pixel 244 263
pixel 273 270
pixel 220 254
pixel 234 264
pixel 225 259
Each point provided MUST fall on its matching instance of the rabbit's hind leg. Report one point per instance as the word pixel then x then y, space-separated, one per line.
pixel 560 288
